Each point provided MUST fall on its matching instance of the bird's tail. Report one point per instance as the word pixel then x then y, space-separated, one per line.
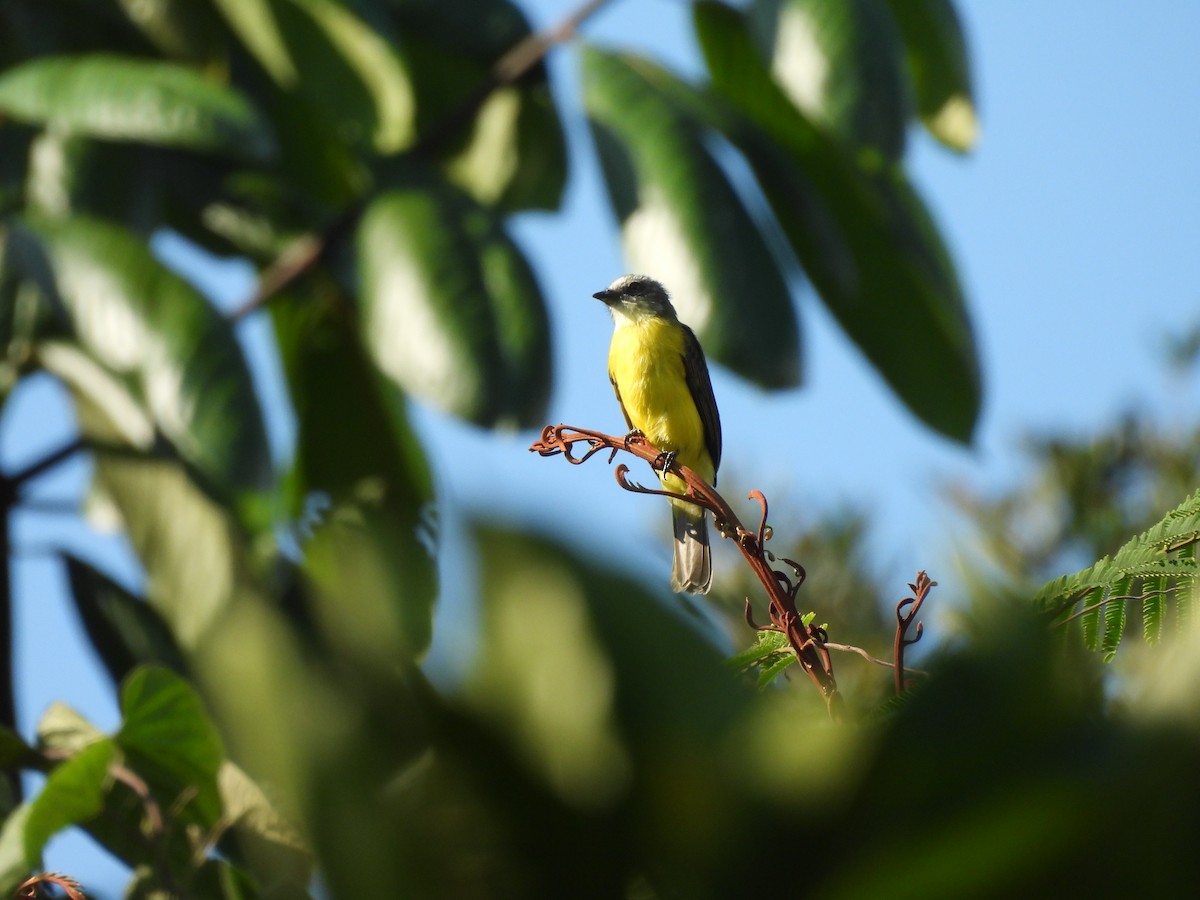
pixel 691 570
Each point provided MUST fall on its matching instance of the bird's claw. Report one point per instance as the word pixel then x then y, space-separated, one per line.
pixel 664 461
pixel 635 434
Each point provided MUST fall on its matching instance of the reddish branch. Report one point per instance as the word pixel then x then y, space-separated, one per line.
pixel 806 641
pixel 906 612
pixel 32 888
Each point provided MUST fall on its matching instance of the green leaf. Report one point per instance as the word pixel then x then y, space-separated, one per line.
pixel 841 63
pixel 124 630
pixel 14 752
pixel 938 62
pixel 63 730
pixel 1090 620
pixel 451 311
pixel 148 327
pixel 14 866
pixel 1114 618
pixel 683 222
pixel 369 556
pixel 768 673
pixel 73 794
pixel 254 22
pixel 1154 605
pixel 193 549
pixel 168 739
pixel 860 231
pixel 765 644
pixel 343 67
pixel 272 844
pixel 180 29
pixel 513 155
pixel 130 99
pixel 1162 556
pixel 590 677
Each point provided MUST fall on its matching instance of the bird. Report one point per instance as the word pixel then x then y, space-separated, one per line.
pixel 660 376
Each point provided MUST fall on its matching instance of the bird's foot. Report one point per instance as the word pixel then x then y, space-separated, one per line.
pixel 664 461
pixel 634 436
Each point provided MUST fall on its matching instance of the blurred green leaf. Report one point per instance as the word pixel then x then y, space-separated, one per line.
pixel 73 794
pixel 180 29
pixel 683 223
pixel 168 739
pixel 151 329
pixel 937 60
pixel 451 310
pixel 1114 617
pixel 862 234
pixel 342 67
pixel 70 174
pixel 370 492
pixel 130 99
pixel 766 643
pixel 841 63
pixel 254 22
pixel 778 664
pixel 14 752
pixel 192 547
pixel 513 155
pixel 64 730
pixel 14 866
pixel 276 851
pixel 124 630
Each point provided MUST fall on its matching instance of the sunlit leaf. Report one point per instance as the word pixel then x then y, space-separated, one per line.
pixel 513 152
pixel 254 22
pixel 124 630
pixel 73 793
pixel 342 67
pixel 130 99
pixel 168 739
pixel 683 223
pixel 841 63
pixel 368 494
pixel 14 866
pixel 451 310
pixel 862 235
pixel 152 330
pixel 272 843
pixel 190 544
pixel 937 58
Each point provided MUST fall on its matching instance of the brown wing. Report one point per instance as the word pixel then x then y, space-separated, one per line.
pixel 620 402
pixel 695 371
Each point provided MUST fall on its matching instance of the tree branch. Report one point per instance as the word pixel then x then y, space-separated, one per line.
pixel 806 641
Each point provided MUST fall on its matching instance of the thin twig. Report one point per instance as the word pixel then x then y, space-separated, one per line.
pixel 848 648
pixel 47 462
pixel 920 589
pixel 307 251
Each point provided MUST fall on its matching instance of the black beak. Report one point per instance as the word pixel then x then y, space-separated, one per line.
pixel 605 295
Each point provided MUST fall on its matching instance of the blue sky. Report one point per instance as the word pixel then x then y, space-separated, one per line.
pixel 1076 227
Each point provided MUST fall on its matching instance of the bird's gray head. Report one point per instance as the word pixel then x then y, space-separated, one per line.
pixel 636 296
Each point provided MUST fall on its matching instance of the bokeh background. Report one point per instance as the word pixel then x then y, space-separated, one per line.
pixel 1074 225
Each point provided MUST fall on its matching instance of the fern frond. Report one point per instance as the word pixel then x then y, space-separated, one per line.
pixel 1114 618
pixel 1093 602
pixel 1157 565
pixel 1154 603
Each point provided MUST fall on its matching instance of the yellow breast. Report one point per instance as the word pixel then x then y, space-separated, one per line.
pixel 645 360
